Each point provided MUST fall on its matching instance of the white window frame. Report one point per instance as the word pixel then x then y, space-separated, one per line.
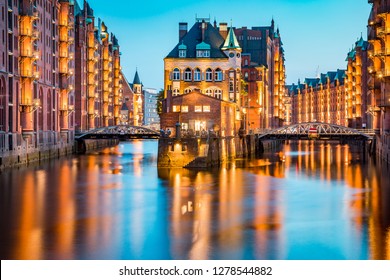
pixel 209 75
pixel 198 108
pixel 176 74
pixel 218 75
pixel 182 53
pixel 188 75
pixel 206 108
pixel 218 93
pixel 176 92
pixel 197 75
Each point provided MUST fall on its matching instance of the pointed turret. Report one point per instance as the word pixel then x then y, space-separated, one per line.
pixel 136 80
pixel 231 41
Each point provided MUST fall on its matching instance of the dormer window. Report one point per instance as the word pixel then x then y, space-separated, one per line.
pixel 203 50
pixel 182 53
pixel 202 53
pixel 182 50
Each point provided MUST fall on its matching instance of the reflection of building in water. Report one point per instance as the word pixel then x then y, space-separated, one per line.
pixel 369 204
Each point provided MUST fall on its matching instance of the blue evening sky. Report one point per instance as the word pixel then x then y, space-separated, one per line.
pixel 317 34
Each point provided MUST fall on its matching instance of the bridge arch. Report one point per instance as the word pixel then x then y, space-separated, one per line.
pixel 121 132
pixel 324 130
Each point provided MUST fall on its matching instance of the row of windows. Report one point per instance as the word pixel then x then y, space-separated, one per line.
pixel 213 92
pixel 197 108
pixel 199 53
pixel 197 75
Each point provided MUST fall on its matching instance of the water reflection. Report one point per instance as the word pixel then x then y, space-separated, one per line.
pixel 310 200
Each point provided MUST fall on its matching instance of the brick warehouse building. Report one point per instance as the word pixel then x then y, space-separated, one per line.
pixel 337 97
pixel 99 93
pixel 320 99
pixel 202 81
pixel 43 81
pixel 379 73
pixel 263 68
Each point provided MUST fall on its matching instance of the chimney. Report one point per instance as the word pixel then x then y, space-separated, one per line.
pixel 223 29
pixel 204 27
pixel 182 30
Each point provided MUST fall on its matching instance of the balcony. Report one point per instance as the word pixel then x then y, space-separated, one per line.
pixel 29 53
pixel 30 74
pixel 63 54
pixel 383 73
pixel 385 102
pixel 382 31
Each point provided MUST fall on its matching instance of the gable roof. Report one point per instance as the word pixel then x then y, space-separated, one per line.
pixel 231 41
pixel 194 37
pixel 136 80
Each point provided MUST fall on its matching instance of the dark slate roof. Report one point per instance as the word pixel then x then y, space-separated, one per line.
pixel 194 37
pixel 77 9
pixel 331 75
pixel 362 44
pixel 340 76
pixel 136 80
pixel 124 107
pixel 312 82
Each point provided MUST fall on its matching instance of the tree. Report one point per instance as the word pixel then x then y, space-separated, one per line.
pixel 160 98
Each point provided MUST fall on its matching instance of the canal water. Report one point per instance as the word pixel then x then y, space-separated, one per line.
pixel 309 200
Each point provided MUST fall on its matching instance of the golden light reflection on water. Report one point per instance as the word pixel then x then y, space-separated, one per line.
pixel 79 208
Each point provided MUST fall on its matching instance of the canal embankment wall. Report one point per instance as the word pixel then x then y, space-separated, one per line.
pixel 83 146
pixel 27 151
pixel 198 152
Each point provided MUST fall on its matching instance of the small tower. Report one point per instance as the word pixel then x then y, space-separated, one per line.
pixel 231 46
pixel 137 100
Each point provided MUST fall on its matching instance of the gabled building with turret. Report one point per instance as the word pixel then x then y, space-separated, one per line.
pixel 138 100
pixel 202 84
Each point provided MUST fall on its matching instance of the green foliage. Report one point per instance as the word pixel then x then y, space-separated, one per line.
pixel 160 98
pixel 244 87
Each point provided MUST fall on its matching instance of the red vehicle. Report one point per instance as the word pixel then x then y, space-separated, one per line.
pixel 313 133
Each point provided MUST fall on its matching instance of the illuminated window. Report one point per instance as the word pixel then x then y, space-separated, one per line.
pixel 175 92
pixel 209 92
pixel 206 108
pixel 231 85
pixel 184 109
pixel 176 108
pixel 209 75
pixel 218 93
pixel 198 108
pixel 188 74
pixel 218 75
pixel 184 126
pixel 197 75
pixel 187 90
pixel 176 74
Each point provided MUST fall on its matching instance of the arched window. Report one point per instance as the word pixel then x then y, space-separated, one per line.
pixel 209 75
pixel 175 92
pixel 218 75
pixel 176 74
pixel 218 93
pixel 2 105
pixel 209 92
pixel 49 111
pixel 187 90
pixel 188 74
pixel 197 74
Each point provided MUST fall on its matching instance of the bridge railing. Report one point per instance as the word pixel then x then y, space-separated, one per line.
pixel 367 131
